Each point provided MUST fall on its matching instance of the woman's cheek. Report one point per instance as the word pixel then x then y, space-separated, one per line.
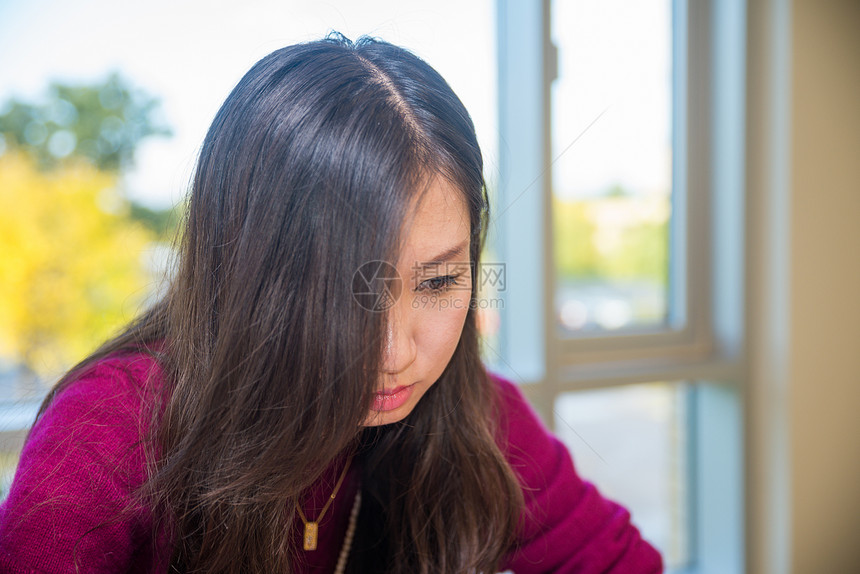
pixel 440 325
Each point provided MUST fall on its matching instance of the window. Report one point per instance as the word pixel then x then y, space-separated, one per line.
pixel 618 217
pixel 611 137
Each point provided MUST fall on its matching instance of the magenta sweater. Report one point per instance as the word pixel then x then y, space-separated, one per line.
pixel 83 459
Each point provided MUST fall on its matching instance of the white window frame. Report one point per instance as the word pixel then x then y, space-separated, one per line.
pixel 704 340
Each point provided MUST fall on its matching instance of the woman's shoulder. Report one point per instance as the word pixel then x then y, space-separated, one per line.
pixel 569 526
pixel 79 470
pixel 106 397
pixel 100 413
pixel 509 394
pixel 121 377
pixel 517 419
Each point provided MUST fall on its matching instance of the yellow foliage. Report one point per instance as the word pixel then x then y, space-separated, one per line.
pixel 71 269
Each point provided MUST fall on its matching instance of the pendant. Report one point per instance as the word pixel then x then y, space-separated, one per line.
pixel 311 530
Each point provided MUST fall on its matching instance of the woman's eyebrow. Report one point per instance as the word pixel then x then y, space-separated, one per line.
pixel 446 255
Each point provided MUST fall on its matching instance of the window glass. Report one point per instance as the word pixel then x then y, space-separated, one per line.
pixel 631 442
pixel 611 141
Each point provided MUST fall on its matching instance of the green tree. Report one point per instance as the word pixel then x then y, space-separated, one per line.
pixel 575 253
pixel 639 250
pixel 103 123
pixel 643 254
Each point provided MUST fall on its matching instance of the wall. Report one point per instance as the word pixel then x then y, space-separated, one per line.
pixel 825 276
pixel 804 307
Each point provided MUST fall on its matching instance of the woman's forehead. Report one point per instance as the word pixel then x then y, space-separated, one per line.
pixel 438 222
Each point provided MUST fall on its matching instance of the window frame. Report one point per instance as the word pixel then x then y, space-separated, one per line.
pixel 704 341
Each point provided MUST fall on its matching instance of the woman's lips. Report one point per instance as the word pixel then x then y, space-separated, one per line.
pixel 390 399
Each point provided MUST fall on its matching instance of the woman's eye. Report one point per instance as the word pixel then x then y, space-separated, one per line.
pixel 437 284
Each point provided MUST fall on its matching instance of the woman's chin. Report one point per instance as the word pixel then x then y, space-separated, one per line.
pixel 376 419
pixel 379 418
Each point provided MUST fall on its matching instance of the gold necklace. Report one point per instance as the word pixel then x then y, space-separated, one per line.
pixel 312 527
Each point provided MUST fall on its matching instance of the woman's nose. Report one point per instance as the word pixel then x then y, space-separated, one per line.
pixel 400 350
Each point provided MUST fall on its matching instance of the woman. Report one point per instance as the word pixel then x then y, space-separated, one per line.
pixel 308 396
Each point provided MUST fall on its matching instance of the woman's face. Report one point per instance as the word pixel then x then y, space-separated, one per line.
pixel 425 322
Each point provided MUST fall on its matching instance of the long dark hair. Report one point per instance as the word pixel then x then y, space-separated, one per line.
pixel 306 173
